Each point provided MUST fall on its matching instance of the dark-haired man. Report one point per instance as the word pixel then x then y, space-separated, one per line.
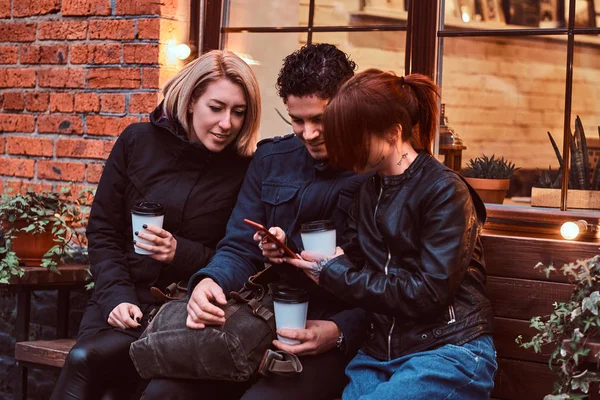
pixel 289 182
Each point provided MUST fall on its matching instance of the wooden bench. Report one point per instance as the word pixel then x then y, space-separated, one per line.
pixel 519 292
pixel 50 353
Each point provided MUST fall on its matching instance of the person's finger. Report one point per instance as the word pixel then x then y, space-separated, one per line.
pixel 299 349
pixel 156 231
pixel 114 321
pixel 193 309
pixel 145 246
pixel 257 237
pixel 137 314
pixel 296 334
pixel 218 295
pixel 303 264
pixel 190 323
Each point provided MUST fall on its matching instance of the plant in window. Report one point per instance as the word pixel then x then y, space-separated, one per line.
pixel 40 229
pixel 485 167
pixel 580 176
pixel 490 177
pixel 569 327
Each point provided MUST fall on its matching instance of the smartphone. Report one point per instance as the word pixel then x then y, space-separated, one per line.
pixel 265 232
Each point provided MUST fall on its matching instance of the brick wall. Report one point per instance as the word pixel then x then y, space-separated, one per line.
pixel 73 74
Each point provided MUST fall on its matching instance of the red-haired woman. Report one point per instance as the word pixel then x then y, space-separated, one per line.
pixel 415 261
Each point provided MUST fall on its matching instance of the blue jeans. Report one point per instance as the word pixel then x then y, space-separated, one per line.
pixel 448 372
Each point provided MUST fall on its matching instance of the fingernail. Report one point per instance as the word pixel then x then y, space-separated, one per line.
pixel 138 320
pixel 136 233
pixel 259 237
pixel 280 251
pixel 134 242
pixel 144 226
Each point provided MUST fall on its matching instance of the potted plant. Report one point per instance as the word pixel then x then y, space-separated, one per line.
pixel 584 184
pixel 570 326
pixel 39 229
pixel 490 177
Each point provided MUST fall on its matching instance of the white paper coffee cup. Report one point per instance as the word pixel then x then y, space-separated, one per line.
pixel 291 308
pixel 319 237
pixel 146 213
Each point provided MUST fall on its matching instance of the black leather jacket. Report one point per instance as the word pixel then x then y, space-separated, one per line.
pixel 415 261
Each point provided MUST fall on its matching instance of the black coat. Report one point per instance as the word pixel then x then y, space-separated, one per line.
pixel 422 276
pixel 156 162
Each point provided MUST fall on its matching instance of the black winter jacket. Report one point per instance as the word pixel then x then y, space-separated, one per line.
pixel 422 275
pixel 155 161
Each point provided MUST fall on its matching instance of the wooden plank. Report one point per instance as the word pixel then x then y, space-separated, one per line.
pixel 517 380
pixel 580 199
pixel 45 352
pixel 70 275
pixel 516 257
pixel 524 298
pixel 506 331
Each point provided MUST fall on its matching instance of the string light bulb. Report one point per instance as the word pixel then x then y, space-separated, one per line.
pixel 176 51
pixel 571 229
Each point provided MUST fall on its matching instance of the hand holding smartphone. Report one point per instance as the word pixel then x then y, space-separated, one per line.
pixel 265 232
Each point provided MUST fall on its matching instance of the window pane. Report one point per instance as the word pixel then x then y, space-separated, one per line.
pixel 502 96
pixel 351 12
pixel 249 13
pixel 265 52
pixel 508 14
pixel 586 93
pixel 383 50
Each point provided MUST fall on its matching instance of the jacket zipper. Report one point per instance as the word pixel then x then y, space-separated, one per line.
pixel 451 315
pixel 387 264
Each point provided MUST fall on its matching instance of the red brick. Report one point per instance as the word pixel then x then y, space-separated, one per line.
pixel 113 103
pixel 108 146
pixel 94 172
pixel 35 7
pixel 17 31
pixel 96 53
pixel 4 12
pixel 85 7
pixel 49 54
pixel 80 148
pixel 61 171
pixel 9 54
pixel 30 146
pixel 2 144
pixel 62 30
pixel 113 78
pixel 68 124
pixel 87 102
pixel 150 78
pixel 17 77
pixel 37 101
pixel 28 186
pixel 17 123
pixel 136 7
pixel 17 167
pixel 140 53
pixel 14 101
pixel 62 77
pixel 107 29
pixel 61 102
pixel 142 103
pixel 148 28
pixel 108 126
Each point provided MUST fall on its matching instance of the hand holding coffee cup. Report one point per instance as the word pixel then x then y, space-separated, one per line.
pixel 291 308
pixel 144 214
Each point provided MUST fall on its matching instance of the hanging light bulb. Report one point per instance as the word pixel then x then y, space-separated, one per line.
pixel 571 229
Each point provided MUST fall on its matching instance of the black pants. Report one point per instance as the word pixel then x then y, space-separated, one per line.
pixel 322 378
pixel 99 367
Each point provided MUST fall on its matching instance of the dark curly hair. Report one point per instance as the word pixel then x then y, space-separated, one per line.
pixel 315 69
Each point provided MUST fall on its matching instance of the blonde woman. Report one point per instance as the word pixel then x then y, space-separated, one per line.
pixel 191 158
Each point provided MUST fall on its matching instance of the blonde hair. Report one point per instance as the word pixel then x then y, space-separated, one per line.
pixel 191 82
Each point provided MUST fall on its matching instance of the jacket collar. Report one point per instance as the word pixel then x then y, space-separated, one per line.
pixel 393 180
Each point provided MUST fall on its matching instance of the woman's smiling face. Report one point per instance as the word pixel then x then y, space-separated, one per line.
pixel 218 115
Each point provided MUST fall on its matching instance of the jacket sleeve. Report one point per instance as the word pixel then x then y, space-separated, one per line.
pixel 448 234
pixel 353 324
pixel 189 254
pixel 106 230
pixel 238 256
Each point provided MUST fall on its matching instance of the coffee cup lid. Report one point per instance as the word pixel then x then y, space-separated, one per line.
pixel 317 226
pixel 286 294
pixel 148 208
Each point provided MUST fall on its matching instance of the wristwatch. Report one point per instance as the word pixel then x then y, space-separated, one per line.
pixel 341 342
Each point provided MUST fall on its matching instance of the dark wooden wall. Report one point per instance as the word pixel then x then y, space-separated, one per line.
pixel 518 292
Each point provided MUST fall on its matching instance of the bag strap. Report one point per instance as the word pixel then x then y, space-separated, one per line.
pixel 279 363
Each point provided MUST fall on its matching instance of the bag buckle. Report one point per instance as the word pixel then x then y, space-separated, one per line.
pixel 279 363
